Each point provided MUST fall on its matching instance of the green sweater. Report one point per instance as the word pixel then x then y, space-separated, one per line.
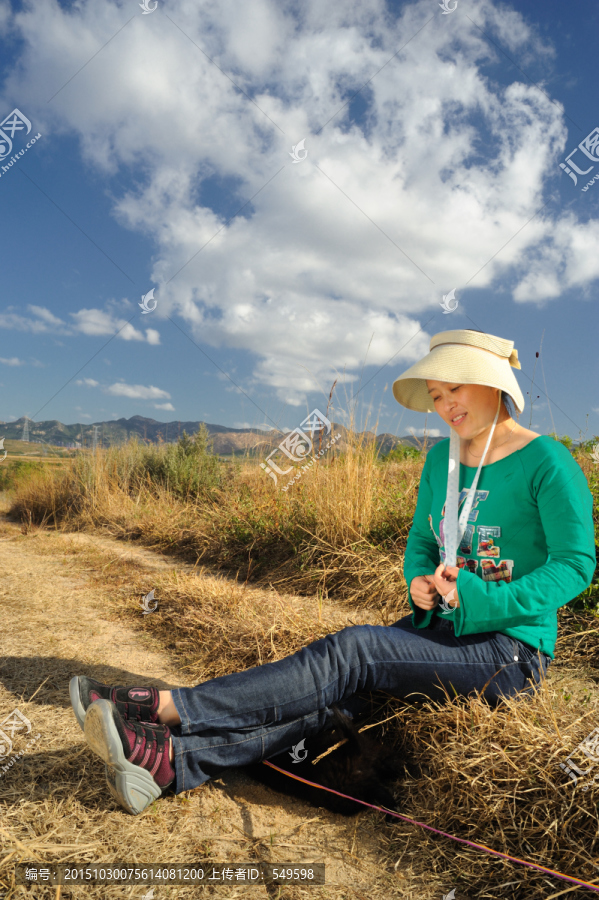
pixel 528 547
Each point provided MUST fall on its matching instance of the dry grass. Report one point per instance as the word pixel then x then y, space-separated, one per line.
pixel 63 619
pixel 341 530
pixel 336 539
pixel 488 775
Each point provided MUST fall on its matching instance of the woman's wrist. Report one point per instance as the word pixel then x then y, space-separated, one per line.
pixel 451 599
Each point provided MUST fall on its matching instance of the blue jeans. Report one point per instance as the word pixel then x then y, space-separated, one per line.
pixel 248 716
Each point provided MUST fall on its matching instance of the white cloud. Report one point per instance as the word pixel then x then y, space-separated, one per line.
pixel 132 391
pixel 37 325
pixel 13 361
pixel 45 315
pixel 420 432
pixel 249 426
pixel 91 322
pixel 98 322
pixel 446 162
pixel 137 391
pixel 152 336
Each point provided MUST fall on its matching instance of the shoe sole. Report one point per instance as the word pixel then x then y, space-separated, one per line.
pixel 76 703
pixel 130 785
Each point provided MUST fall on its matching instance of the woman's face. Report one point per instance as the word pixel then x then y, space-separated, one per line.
pixel 475 404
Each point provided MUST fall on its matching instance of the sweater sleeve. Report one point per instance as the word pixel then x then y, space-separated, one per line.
pixel 422 553
pixel 565 506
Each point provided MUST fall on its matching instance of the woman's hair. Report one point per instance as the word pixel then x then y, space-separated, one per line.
pixel 509 404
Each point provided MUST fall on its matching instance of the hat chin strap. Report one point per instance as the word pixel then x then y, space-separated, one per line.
pixel 452 529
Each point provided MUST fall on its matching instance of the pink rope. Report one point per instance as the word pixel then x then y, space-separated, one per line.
pixel 390 812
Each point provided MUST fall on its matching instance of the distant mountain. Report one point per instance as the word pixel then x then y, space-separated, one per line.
pixel 225 441
pixel 117 431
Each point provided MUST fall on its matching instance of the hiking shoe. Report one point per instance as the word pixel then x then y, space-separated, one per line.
pixel 138 769
pixel 139 703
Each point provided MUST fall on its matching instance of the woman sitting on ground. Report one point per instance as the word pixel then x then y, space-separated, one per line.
pixel 484 592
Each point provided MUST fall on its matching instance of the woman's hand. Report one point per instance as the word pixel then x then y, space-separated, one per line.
pixel 444 580
pixel 423 591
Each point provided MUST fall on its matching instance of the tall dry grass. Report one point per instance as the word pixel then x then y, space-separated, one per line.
pixel 341 528
pixel 488 775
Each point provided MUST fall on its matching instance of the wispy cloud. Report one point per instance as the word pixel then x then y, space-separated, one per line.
pixel 138 391
pixel 13 361
pixel 90 322
pixel 98 322
pixel 248 426
pixel 420 432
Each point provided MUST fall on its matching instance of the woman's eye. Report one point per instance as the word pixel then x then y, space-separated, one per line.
pixel 455 389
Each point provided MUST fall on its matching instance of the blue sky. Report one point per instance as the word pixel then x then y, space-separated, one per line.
pixel 164 163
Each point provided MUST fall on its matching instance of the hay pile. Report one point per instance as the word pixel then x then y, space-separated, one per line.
pixel 487 775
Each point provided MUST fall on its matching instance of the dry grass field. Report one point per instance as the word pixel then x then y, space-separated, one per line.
pixel 245 575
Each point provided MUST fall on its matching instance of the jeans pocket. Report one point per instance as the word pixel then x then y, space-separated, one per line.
pixel 533 663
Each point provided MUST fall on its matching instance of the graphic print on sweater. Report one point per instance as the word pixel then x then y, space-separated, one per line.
pixel 466 542
pixel 501 572
pixel 486 543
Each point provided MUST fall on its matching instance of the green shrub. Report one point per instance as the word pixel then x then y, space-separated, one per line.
pixel 17 470
pixel 402 452
pixel 187 468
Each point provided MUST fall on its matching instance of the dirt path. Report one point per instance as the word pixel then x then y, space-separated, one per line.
pixel 57 622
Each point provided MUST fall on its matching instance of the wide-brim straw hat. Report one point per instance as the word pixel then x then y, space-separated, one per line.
pixel 467 357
